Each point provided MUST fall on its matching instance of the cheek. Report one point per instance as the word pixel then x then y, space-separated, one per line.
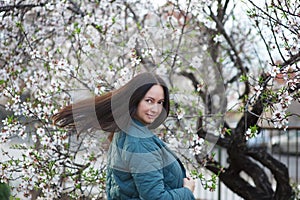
pixel 160 109
pixel 142 107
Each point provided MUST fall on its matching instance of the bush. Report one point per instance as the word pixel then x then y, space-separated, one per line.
pixel 4 191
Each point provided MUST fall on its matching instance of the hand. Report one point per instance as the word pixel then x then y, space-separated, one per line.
pixel 189 183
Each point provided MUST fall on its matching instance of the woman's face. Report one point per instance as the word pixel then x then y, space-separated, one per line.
pixel 151 105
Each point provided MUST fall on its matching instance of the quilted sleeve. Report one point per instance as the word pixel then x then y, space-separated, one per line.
pixel 146 166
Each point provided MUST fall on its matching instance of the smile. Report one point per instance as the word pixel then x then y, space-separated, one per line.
pixel 151 116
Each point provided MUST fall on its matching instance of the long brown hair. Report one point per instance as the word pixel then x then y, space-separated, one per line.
pixel 113 111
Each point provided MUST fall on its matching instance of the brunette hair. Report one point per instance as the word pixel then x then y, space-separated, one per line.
pixel 114 110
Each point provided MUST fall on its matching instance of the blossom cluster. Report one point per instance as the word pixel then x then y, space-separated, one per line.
pixel 198 143
pixel 286 94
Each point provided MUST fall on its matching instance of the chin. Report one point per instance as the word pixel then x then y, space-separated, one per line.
pixel 148 122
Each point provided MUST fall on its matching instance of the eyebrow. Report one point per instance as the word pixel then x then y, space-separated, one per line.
pixel 153 98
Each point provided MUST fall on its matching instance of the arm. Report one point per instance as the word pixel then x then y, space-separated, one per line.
pixel 150 185
pixel 146 166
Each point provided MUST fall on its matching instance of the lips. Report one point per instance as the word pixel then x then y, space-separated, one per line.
pixel 151 116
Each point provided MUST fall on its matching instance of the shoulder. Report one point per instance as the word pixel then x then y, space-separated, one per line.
pixel 139 141
pixel 140 145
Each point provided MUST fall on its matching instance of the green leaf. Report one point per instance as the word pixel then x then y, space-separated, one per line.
pixel 243 78
pixel 253 128
pixel 228 131
pixel 4 191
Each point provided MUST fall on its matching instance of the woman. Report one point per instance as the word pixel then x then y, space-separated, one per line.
pixel 140 165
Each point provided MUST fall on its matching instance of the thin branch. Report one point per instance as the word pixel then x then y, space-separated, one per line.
pixel 269 17
pixel 20 6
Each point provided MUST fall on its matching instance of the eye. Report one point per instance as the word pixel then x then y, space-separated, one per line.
pixel 149 100
pixel 161 102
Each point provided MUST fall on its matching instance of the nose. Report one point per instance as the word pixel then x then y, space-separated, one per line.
pixel 155 108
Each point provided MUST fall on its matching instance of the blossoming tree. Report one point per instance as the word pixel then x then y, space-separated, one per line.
pixel 55 52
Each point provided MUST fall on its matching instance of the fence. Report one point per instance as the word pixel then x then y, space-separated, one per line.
pixel 283 145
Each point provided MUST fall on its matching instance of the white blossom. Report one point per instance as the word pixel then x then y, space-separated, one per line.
pixel 279 118
pixel 35 54
pixel 180 113
pixel 258 90
pixel 250 133
pixel 274 71
pixel 196 150
pixel 292 83
pixel 135 61
pixel 218 38
pixel 198 140
pixel 196 62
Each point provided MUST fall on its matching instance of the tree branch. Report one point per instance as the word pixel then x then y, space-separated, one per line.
pixel 19 6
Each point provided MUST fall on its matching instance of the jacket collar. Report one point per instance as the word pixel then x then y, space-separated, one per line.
pixel 138 129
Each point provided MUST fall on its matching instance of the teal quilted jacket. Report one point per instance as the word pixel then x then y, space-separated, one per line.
pixel 141 166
